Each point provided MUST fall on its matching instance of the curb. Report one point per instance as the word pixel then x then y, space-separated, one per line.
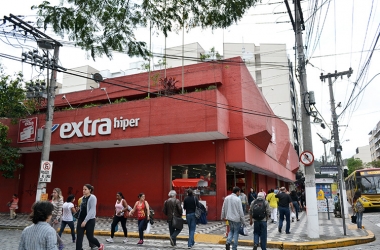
pixel 218 239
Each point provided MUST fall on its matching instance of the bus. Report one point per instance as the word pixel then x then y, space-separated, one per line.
pixel 368 182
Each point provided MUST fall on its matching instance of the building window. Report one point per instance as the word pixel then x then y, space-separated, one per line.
pixel 205 172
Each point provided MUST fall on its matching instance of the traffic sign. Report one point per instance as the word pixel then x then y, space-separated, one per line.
pixel 307 158
pixel 46 171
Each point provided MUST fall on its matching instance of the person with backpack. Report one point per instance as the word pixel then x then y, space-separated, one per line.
pixel 273 204
pixel 260 212
pixel 284 201
pixel 173 208
pixel 358 208
pixel 233 212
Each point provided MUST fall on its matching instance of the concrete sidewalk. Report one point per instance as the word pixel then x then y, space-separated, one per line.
pixel 331 232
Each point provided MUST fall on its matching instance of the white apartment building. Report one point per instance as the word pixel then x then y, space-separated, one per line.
pixel 374 142
pixel 364 154
pixel 72 83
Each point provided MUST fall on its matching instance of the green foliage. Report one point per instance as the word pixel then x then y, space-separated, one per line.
pixel 90 105
pixel 99 26
pixel 211 87
pixel 8 154
pixel 354 164
pixel 373 164
pixel 213 55
pixel 198 90
pixel 120 100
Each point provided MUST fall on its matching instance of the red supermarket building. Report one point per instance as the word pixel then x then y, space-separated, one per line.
pixel 220 133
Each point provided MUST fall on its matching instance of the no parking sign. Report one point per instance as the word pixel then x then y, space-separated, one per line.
pixel 46 171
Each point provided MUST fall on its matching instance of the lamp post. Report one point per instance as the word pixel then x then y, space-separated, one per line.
pixel 47 44
pixel 325 141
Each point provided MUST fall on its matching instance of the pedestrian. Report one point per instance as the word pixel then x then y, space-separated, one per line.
pixel 296 203
pixel 303 199
pixel 275 191
pixel 13 205
pixel 260 212
pixel 299 198
pixel 265 194
pixel 86 220
pixel 143 214
pixel 121 210
pixel 244 201
pixel 92 246
pixel 173 208
pixel 189 204
pixel 273 204
pixel 233 212
pixel 358 208
pixel 284 201
pixel 39 235
pixel 55 222
pixel 251 196
pixel 68 210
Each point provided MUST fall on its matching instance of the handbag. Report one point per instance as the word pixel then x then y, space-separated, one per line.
pixel 198 211
pixel 177 222
pixel 243 230
pixel 76 215
pixel 147 230
pixel 353 218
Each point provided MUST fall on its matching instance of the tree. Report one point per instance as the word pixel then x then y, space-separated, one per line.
pixel 11 94
pixel 99 26
pixel 212 55
pixel 354 164
pixel 373 164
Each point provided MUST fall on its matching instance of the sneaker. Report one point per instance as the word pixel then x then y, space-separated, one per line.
pixel 109 240
pixel 288 233
pixel 61 246
pixel 171 241
pixel 279 230
pixel 140 242
pixel 74 241
pixel 274 222
pixel 101 247
pixel 125 240
pixel 228 246
pixel 255 247
pixel 298 219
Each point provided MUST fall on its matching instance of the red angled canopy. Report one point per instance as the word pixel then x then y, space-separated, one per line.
pixel 189 183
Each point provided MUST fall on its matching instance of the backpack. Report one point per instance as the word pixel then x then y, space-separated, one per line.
pixel 258 209
pixel 359 207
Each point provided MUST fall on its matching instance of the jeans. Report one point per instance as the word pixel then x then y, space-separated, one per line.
pixel 141 224
pixel 89 228
pixel 244 207
pixel 191 223
pixel 234 233
pixel 116 220
pixel 284 211
pixel 359 219
pixel 174 232
pixel 71 225
pixel 296 207
pixel 260 231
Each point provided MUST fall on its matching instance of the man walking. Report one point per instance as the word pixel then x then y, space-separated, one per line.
pixel 172 207
pixel 232 211
pixel 284 201
pixel 260 212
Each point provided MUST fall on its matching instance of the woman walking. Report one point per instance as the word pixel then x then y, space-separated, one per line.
pixel 189 204
pixel 67 216
pixel 86 220
pixel 13 205
pixel 358 208
pixel 273 204
pixel 296 203
pixel 55 221
pixel 142 208
pixel 121 208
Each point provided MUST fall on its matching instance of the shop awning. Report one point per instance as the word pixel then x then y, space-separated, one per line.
pixel 189 183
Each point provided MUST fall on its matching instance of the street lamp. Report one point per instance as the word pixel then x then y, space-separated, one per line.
pixel 325 141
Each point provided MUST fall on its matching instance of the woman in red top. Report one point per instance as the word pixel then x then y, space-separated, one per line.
pixel 142 208
pixel 13 205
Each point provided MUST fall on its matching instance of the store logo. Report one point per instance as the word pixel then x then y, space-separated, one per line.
pixel 88 127
pixel 53 127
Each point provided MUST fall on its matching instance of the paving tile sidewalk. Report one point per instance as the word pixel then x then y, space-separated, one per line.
pixel 330 231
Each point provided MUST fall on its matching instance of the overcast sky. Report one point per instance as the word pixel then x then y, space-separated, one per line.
pixel 342 29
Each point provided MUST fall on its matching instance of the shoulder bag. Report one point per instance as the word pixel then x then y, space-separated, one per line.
pixel 198 211
pixel 177 222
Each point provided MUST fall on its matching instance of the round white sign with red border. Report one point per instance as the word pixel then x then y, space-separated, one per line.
pixel 307 158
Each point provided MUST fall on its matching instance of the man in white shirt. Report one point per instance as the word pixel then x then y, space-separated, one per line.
pixel 232 211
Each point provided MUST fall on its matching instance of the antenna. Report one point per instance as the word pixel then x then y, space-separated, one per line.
pixel 64 97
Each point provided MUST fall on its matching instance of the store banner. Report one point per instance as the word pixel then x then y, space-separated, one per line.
pixel 329 169
pixel 27 130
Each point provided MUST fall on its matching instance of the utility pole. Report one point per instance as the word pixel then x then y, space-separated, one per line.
pixel 337 146
pixel 310 189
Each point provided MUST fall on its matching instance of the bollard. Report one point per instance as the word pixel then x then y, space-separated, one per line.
pixel 328 209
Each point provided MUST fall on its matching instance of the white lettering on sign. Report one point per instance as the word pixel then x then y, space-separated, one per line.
pixel 90 127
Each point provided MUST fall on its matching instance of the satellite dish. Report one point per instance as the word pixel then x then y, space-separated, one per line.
pixel 97 77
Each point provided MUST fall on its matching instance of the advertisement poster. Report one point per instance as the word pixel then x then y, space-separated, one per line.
pixel 27 130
